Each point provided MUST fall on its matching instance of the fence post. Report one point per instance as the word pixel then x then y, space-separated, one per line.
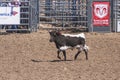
pixel 89 14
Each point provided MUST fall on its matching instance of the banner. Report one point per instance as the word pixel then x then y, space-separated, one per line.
pixel 9 13
pixel 101 14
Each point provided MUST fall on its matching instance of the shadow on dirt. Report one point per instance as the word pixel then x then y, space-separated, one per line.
pixel 8 33
pixel 4 33
pixel 50 60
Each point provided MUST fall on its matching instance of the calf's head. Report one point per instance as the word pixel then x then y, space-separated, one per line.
pixel 53 35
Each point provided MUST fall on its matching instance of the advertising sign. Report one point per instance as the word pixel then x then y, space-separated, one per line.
pixel 101 13
pixel 9 13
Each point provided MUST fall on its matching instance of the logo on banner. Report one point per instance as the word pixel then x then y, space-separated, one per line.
pixel 101 14
pixel 101 10
pixel 7 9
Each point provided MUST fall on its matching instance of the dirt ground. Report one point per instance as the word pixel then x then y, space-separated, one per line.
pixel 33 57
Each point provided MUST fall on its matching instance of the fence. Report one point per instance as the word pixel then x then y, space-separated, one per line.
pixel 26 14
pixel 20 15
pixel 64 13
pixel 116 15
pixel 79 14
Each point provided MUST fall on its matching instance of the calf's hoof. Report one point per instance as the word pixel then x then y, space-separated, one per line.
pixel 58 57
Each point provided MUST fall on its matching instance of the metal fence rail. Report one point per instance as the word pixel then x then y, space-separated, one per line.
pixel 116 15
pixel 64 13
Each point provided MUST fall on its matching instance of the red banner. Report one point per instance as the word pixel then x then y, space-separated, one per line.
pixel 101 13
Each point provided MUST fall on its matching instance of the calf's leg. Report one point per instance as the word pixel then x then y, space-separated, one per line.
pixel 77 54
pixel 86 53
pixel 64 53
pixel 58 52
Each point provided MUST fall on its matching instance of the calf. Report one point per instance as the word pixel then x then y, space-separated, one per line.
pixel 66 41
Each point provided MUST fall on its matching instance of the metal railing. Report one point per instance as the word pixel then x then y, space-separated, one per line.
pixel 64 13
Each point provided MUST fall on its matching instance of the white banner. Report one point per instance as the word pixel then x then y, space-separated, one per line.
pixel 118 26
pixel 9 15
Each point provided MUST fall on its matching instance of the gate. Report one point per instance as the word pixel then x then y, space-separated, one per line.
pixel 64 13
pixel 19 15
pixel 116 15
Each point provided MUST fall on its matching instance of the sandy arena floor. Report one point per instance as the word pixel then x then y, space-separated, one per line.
pixel 33 57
